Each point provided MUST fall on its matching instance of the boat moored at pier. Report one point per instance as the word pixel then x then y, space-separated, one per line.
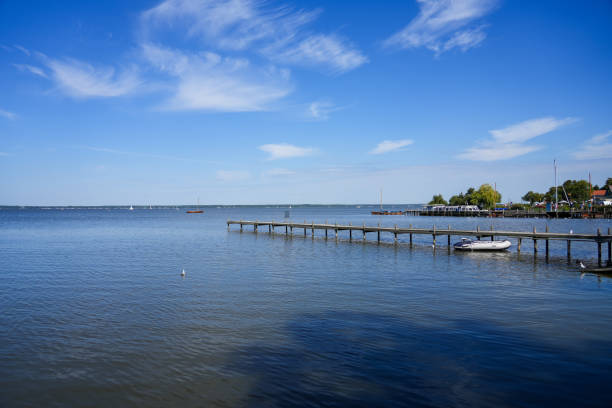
pixel 467 244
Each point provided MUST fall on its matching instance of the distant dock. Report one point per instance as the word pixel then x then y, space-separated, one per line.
pixel 599 239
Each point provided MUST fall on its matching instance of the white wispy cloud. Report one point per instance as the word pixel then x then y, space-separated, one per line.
pixel 442 25
pixel 232 175
pixel 22 49
pixel 7 114
pixel 493 152
pixel 208 81
pixel 325 50
pixel 597 147
pixel 387 146
pixel 32 69
pixel 285 151
pixel 320 110
pixel 276 33
pixel 507 143
pixel 83 80
pixel 529 129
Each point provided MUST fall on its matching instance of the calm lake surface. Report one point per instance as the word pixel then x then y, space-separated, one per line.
pixel 94 313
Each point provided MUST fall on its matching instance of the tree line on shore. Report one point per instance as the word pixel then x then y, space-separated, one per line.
pixel 572 191
pixel 485 197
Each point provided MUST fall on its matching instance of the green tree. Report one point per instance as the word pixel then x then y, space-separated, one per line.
pixel 438 199
pixel 532 197
pixel 608 183
pixel 486 196
pixel 577 191
pixel 457 200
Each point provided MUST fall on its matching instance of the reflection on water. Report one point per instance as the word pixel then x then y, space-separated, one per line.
pixel 95 312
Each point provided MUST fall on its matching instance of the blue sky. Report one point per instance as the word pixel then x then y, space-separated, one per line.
pixel 252 102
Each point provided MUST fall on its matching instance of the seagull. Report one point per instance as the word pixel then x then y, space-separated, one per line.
pixel 183 273
pixel 580 264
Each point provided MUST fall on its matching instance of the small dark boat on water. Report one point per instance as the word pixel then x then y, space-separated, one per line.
pixel 198 211
pixel 386 212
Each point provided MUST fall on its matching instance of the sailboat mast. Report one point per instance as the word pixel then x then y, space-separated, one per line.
pixel 381 199
pixel 556 188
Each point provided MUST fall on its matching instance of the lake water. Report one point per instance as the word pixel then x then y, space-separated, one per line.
pixel 94 313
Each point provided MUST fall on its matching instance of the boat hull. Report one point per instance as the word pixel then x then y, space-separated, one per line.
pixel 195 212
pixel 387 213
pixel 482 245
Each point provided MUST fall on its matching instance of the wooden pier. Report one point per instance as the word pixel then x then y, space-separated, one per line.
pixel 599 239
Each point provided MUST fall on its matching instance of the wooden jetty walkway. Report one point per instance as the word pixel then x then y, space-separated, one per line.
pixel 434 232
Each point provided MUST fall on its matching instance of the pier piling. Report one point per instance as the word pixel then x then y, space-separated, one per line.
pixel 598 247
pixel 547 244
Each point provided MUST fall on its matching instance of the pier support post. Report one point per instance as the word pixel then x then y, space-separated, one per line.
pixel 285 230
pixel 240 226
pixel 410 226
pixel 598 247
pixel 449 237
pixel 326 232
pixel 492 236
pixel 350 233
pixel 378 233
pixel 255 226
pixel 547 244
pixel 609 250
pixel 520 240
pixel 270 228
pixel 336 231
pixel 395 235
pixel 434 235
pixel 364 233
pixel 569 251
pixel 291 229
pixel 312 231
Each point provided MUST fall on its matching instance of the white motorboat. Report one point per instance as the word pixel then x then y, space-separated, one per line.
pixel 467 244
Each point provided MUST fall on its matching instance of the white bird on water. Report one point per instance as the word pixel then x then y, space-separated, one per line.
pixel 183 273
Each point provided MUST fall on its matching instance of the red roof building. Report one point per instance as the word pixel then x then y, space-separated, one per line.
pixel 599 193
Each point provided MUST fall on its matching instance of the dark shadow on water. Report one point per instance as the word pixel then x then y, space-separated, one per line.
pixel 369 360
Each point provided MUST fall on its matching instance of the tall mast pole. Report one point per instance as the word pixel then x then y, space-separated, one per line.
pixel 556 196
pixel 381 198
pixel 590 192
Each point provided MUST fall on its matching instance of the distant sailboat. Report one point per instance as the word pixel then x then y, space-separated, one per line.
pixel 131 208
pixel 198 211
pixel 385 212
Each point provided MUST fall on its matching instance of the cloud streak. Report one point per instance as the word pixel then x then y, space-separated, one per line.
pixel 32 69
pixel 442 25
pixel 507 143
pixel 598 147
pixel 387 146
pixel 208 81
pixel 82 80
pixel 285 151
pixel 252 26
pixel 8 115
